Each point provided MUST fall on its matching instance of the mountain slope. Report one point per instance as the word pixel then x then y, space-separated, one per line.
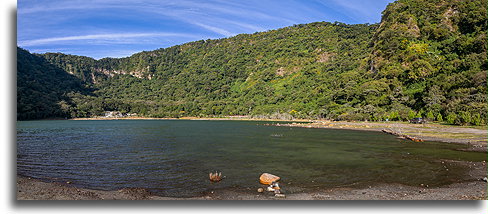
pixel 262 73
pixel 42 88
pixel 437 51
pixel 425 59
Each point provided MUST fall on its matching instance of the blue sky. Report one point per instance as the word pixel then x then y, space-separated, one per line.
pixel 119 28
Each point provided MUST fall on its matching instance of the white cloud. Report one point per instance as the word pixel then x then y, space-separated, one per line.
pixel 213 29
pixel 207 15
pixel 363 10
pixel 116 37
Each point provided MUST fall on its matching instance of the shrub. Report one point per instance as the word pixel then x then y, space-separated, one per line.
pixel 412 114
pixel 394 116
pixel 439 117
pixel 464 118
pixel 476 119
pixel 430 116
pixel 451 118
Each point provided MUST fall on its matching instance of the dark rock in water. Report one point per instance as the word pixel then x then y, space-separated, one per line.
pixel 215 177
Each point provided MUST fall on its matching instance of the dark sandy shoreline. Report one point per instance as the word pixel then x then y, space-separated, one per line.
pixel 473 188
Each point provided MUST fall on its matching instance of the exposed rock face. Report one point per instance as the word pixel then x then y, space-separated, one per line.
pixel 267 178
pixel 325 57
pixel 141 74
pixel 281 71
pixel 447 19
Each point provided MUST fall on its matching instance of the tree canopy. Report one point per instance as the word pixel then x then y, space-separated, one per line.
pixel 425 58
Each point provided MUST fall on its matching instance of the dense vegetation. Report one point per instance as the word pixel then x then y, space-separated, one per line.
pixel 42 88
pixel 436 52
pixel 425 59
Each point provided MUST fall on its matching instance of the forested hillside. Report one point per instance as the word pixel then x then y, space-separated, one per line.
pixel 42 88
pixel 425 58
pixel 436 52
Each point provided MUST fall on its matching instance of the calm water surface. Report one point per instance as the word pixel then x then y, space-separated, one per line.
pixel 174 157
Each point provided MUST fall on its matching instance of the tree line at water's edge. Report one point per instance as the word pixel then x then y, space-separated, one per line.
pixel 427 58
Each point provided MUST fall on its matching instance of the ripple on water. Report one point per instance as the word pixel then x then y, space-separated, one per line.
pixel 173 158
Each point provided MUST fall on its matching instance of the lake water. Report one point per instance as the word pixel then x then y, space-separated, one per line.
pixel 174 157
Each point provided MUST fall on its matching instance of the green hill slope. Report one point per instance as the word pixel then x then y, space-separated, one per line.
pixel 425 58
pixel 43 90
pixel 437 51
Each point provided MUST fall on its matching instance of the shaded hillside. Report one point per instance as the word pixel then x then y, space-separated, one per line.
pixel 43 89
pixel 425 59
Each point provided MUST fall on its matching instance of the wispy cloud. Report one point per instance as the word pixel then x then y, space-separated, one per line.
pixel 206 15
pixel 116 37
pixel 361 10
pixel 213 29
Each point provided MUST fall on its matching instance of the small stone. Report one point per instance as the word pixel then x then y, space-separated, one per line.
pixel 68 182
pixel 260 190
pixel 275 185
pixel 485 179
pixel 277 191
pixel 280 195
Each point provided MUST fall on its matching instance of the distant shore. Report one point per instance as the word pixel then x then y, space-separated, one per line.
pixel 475 137
pixel 244 118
